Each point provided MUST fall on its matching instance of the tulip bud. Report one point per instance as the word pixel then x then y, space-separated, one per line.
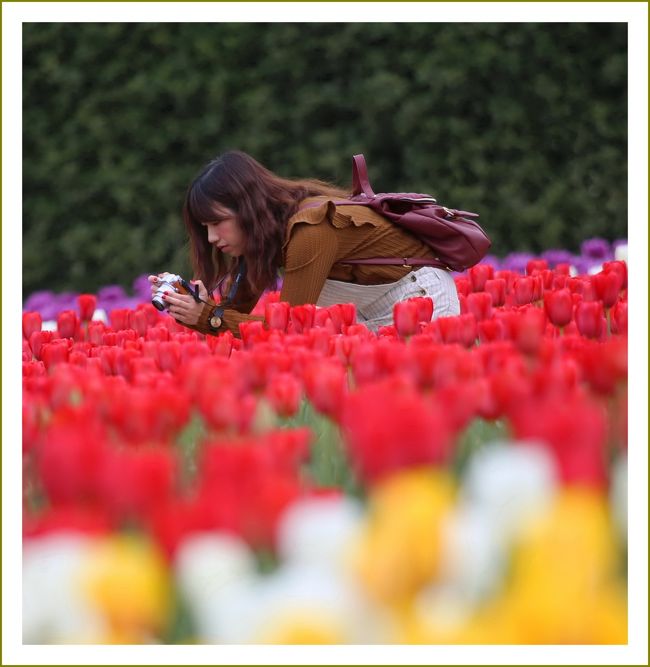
pixel 479 304
pixel 284 393
pixel 276 315
pixel 405 316
pixel 478 274
pixel 450 328
pixel 67 323
pixel 87 304
pixel 463 286
pixel 326 387
pixel 589 318
pixel 529 329
pixel 607 286
pixel 119 318
pixel 524 289
pixel 490 330
pixel 37 339
pixel 349 314
pixel 32 321
pixel 302 317
pixel 139 321
pixel 497 290
pixel 558 306
pixel 54 353
pixel 535 266
pixel 618 267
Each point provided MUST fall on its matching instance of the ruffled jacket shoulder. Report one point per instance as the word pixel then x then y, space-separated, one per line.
pixel 326 211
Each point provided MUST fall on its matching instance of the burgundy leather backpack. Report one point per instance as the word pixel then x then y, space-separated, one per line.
pixel 457 241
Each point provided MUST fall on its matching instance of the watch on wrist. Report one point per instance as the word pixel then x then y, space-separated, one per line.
pixel 216 318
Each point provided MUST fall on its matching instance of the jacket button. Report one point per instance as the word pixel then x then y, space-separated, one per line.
pixel 423 292
pixel 413 278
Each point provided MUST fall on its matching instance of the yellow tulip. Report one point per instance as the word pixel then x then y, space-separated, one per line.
pixel 399 549
pixel 564 575
pixel 304 628
pixel 126 579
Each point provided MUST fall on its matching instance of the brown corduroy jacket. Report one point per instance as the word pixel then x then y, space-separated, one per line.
pixel 318 241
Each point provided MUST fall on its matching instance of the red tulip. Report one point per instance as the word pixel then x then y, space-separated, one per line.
pixel 133 482
pixel 138 321
pixel 463 285
pixel 450 329
pixel 302 317
pixel 67 323
pixel 336 316
pixel 54 353
pixel 607 286
pixel 560 281
pixel 509 277
pixel 604 365
pixel 326 387
pixel 479 304
pixel 119 318
pixel 529 326
pixel 547 278
pixel 478 274
pixel 538 287
pixel 619 267
pixel 563 268
pixel 387 430
pixel 365 363
pixel 524 289
pixel 284 393
pixel 252 332
pixel 425 307
pixel 71 455
pixel 619 318
pixel 32 322
pixel 535 266
pixel 406 317
pixel 558 306
pixel 343 346
pixel 158 333
pixel 497 290
pixel 589 318
pixel 349 313
pixel 276 315
pixel 87 304
pixel 490 330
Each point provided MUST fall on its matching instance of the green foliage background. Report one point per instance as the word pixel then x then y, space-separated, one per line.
pixel 523 123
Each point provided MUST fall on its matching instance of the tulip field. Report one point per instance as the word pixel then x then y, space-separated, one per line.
pixel 460 480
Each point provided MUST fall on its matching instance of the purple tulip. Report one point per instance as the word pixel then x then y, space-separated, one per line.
pixel 596 249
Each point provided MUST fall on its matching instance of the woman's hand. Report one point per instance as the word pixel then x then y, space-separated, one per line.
pixel 182 307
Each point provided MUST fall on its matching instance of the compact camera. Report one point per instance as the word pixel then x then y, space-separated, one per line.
pixel 170 282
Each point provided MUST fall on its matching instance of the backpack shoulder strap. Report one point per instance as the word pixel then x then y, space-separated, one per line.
pixel 360 182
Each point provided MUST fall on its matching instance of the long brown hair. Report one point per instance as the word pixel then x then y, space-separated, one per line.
pixel 263 203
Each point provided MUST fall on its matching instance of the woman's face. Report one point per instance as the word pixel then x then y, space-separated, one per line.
pixel 225 232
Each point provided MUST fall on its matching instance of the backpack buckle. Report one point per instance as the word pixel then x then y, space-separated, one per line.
pixel 406 265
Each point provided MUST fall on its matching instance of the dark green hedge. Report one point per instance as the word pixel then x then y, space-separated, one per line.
pixel 524 123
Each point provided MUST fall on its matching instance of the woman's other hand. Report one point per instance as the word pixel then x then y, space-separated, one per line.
pixel 183 308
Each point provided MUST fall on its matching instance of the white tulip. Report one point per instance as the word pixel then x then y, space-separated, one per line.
pixel 510 481
pixel 315 600
pixel 319 530
pixel 473 557
pixel 594 269
pixel 55 609
pixel 206 565
pixel 621 253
